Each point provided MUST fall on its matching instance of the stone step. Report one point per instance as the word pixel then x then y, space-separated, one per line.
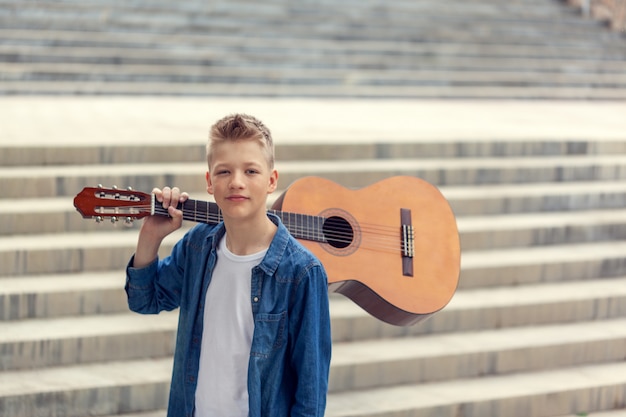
pixel 219 43
pixel 163 413
pixel 153 122
pixel 91 389
pixel 62 295
pixel 594 413
pixel 426 359
pixel 23 155
pixel 540 394
pixel 305 91
pixel 512 208
pixel 63 253
pixel 24 182
pixel 203 60
pixel 76 389
pixel 57 215
pixel 540 197
pixel 498 307
pixel 335 23
pixel 372 9
pixel 77 252
pixel 541 229
pixel 37 72
pixel 610 413
pixel 519 266
pixel 51 296
pixel 40 343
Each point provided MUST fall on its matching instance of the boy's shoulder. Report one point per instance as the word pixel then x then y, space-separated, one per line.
pixel 295 254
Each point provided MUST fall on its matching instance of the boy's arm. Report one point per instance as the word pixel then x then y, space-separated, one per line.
pixel 312 345
pixel 143 269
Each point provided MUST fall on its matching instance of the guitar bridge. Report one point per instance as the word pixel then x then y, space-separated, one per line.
pixel 408 238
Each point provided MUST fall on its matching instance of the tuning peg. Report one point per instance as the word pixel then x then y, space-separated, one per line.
pixel 98 219
pixel 129 188
pixel 114 219
pixel 100 186
pixel 128 220
pixel 114 187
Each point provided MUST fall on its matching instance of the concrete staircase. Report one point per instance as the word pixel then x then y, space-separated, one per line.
pixel 537 326
pixel 531 49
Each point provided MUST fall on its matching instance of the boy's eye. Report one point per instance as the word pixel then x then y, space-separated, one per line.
pixel 252 171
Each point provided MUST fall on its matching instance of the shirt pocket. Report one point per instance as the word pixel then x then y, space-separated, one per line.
pixel 269 334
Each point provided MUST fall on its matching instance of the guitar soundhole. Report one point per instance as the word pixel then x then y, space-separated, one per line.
pixel 338 232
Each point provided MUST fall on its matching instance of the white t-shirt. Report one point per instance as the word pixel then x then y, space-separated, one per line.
pixel 222 389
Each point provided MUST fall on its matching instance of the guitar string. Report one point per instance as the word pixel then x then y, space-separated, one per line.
pixel 207 217
pixel 384 237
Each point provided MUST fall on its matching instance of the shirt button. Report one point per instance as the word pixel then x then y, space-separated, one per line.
pixel 255 299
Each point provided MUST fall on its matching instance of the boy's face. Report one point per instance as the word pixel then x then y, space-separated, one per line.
pixel 240 179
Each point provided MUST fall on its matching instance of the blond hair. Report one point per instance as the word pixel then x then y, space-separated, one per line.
pixel 241 127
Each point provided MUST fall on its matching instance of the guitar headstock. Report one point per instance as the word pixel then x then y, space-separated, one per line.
pixel 99 203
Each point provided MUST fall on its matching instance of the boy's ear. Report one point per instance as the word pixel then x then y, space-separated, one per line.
pixel 209 184
pixel 273 182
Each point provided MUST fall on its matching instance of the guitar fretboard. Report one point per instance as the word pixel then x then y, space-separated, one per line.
pixel 301 226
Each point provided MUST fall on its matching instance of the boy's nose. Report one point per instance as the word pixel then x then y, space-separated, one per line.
pixel 236 180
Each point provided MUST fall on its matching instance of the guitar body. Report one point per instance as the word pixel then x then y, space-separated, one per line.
pixel 370 267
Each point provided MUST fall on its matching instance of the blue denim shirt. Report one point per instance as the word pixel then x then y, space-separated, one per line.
pixel 289 360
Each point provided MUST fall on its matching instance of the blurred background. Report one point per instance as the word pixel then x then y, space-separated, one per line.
pixel 514 109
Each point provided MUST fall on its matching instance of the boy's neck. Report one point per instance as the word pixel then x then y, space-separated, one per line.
pixel 247 239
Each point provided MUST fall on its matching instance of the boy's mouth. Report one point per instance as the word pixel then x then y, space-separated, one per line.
pixel 236 197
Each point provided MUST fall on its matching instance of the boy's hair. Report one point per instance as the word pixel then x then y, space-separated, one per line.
pixel 241 127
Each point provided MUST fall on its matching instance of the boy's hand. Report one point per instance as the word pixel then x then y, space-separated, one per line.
pixel 156 228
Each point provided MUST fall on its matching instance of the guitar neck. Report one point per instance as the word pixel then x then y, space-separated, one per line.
pixel 301 226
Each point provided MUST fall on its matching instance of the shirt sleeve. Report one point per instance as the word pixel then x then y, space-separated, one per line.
pixel 157 286
pixel 312 343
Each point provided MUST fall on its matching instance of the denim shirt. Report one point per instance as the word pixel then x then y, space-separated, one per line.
pixel 289 360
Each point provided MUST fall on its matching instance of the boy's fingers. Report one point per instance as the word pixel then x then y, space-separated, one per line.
pixel 167 196
pixel 170 196
pixel 158 194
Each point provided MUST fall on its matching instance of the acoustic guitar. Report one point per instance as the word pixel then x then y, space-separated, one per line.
pixel 392 247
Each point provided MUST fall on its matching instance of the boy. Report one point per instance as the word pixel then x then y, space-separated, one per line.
pixel 254 327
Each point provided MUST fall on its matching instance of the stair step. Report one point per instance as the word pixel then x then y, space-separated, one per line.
pixel 540 229
pixel 418 148
pixel 51 296
pixel 37 254
pixel 309 91
pixel 536 197
pixel 540 394
pixel 426 359
pixel 493 308
pixel 406 26
pixel 40 254
pixel 40 343
pixel 96 72
pixel 347 121
pixel 542 264
pixel 357 366
pixel 220 41
pixel 539 201
pixel 91 389
pixel 68 180
pixel 47 296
